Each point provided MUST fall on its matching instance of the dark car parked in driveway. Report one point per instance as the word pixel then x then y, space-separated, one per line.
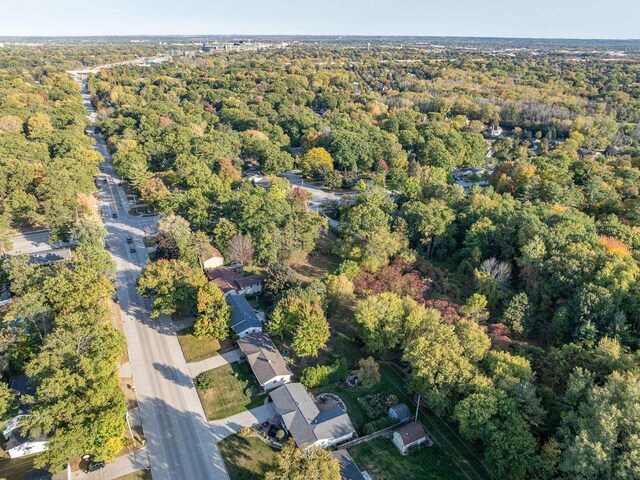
pixel 94 466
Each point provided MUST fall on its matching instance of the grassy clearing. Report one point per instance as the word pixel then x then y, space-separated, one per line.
pixel 382 461
pixel 234 391
pixel 318 262
pixel 197 349
pixel 246 458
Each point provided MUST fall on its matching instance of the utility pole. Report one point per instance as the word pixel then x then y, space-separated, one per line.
pixel 417 408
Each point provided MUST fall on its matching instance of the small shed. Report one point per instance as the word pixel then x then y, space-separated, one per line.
pixel 408 436
pixel 211 258
pixel 400 412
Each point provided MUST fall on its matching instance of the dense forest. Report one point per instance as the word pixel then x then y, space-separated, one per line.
pixel 512 306
pixel 56 325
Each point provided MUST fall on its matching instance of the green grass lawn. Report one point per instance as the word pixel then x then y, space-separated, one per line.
pixel 356 411
pixel 382 461
pixel 246 458
pixel 230 394
pixel 139 475
pixel 16 468
pixel 196 349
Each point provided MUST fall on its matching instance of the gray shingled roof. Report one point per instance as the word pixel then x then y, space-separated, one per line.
pixel 303 419
pixel 348 468
pixel 242 315
pixel 263 357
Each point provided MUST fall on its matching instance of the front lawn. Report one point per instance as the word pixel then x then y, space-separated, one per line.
pixel 382 461
pixel 16 467
pixel 233 390
pixel 246 458
pixel 197 349
pixel 138 475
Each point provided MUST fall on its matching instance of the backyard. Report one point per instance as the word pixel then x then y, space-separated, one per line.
pixel 246 458
pixel 197 349
pixel 382 461
pixel 232 389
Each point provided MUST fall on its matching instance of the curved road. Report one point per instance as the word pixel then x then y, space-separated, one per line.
pixel 180 441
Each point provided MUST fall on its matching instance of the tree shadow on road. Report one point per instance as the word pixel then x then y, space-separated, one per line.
pixel 173 374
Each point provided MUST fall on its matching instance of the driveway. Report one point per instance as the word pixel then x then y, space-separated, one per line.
pixel 230 425
pixel 197 368
pixel 124 465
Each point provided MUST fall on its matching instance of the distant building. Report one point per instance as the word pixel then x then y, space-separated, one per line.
pixel 467 177
pixel 211 258
pixel 400 412
pixel 307 424
pixel 265 360
pixel 408 436
pixel 349 470
pixel 586 152
pixel 244 319
pixel 494 131
pixel 231 280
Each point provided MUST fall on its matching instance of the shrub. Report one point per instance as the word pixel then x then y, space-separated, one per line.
pixel 368 372
pixel 246 431
pixel 317 376
pixel 379 424
pixel 340 370
pixel 205 380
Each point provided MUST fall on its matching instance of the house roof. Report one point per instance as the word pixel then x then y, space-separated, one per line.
pixel 411 432
pixel 210 252
pixel 22 385
pixel 242 315
pixel 263 357
pixel 303 419
pixel 228 280
pixel 401 411
pixel 348 468
pixel 48 257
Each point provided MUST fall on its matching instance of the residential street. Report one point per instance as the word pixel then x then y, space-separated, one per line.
pixel 179 439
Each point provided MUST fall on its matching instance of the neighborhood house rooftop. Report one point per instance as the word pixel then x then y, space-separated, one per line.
pixel 304 421
pixel 242 315
pixel 263 357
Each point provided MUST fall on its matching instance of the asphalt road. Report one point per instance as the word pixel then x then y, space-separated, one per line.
pixel 179 439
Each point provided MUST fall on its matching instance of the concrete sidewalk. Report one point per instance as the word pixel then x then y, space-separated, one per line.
pixel 124 465
pixel 230 425
pixel 197 368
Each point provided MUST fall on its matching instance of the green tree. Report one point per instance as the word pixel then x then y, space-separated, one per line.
pixel 174 284
pixel 295 464
pixel 380 320
pixel 368 372
pixel 214 313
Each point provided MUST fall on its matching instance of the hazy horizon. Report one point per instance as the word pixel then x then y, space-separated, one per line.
pixel 550 19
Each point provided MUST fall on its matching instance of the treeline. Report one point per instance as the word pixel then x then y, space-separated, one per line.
pixel 47 163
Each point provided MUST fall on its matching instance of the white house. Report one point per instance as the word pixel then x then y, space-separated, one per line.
pixel 244 319
pixel 307 424
pixel 265 360
pixel 212 259
pixel 17 445
pixel 409 435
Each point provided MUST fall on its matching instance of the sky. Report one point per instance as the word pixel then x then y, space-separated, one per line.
pixel 606 19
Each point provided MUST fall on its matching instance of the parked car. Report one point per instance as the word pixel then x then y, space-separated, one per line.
pixel 114 215
pixel 132 249
pixel 94 466
pixel 129 240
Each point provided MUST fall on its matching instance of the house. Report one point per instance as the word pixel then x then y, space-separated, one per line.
pixel 467 177
pixel 244 319
pixel 18 445
pixel 265 360
pixel 47 257
pixel 400 412
pixel 211 258
pixel 494 131
pixel 409 435
pixel 233 282
pixel 306 422
pixel 349 470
